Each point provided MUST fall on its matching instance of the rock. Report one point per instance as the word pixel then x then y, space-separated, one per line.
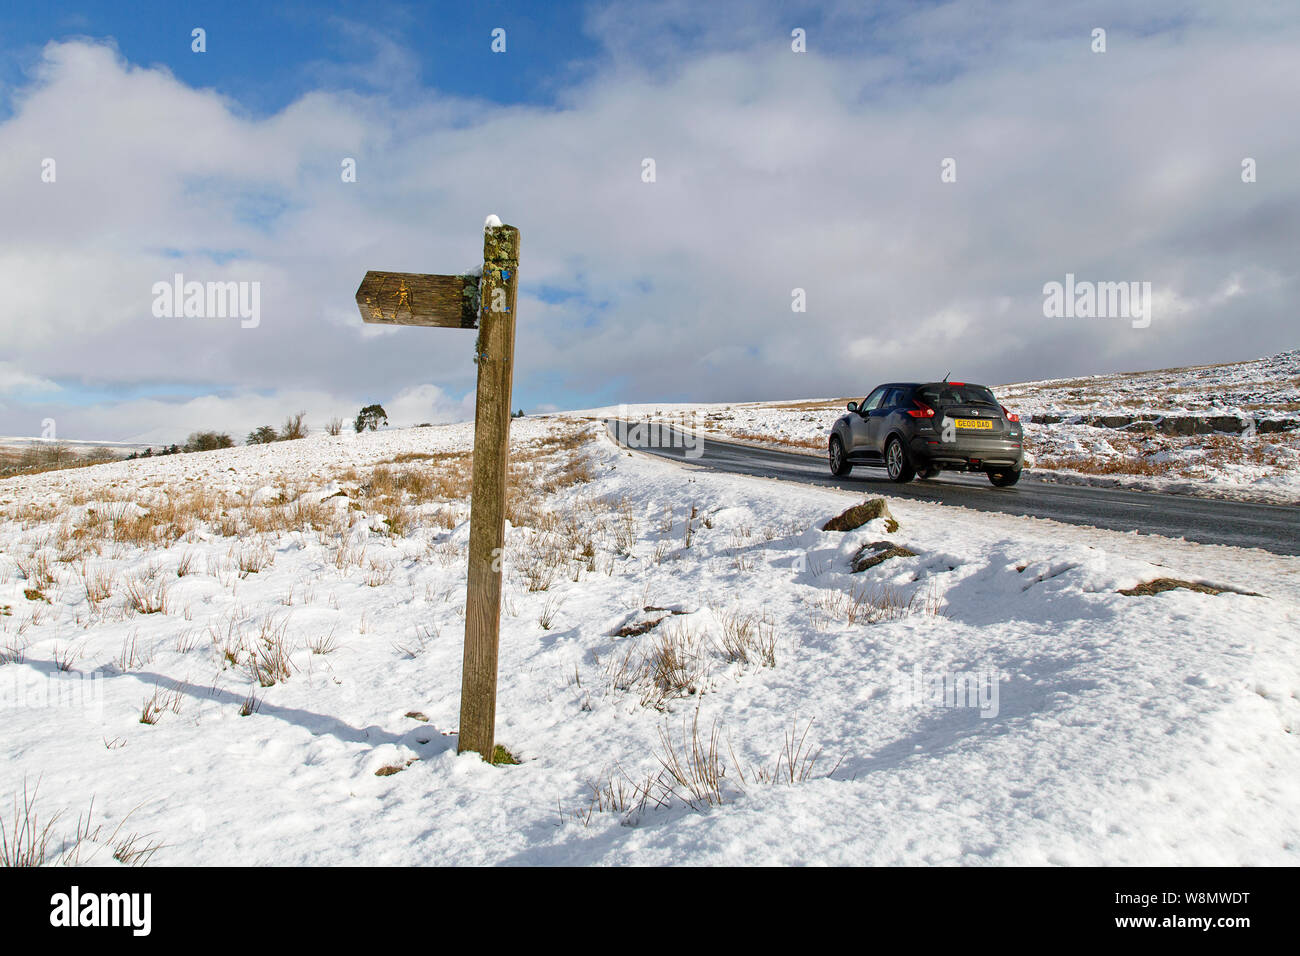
pixel 869 555
pixel 859 515
pixel 637 629
pixel 1266 425
pixel 1227 423
pixel 1159 585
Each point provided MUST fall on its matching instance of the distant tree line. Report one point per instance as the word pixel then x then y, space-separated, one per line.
pixel 172 449
pixel 52 455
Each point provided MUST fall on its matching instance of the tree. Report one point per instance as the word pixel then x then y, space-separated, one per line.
pixel 262 435
pixel 294 427
pixel 371 417
pixel 208 441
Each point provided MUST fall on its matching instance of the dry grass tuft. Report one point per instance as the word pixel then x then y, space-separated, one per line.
pixel 146 594
pixel 746 638
pixel 161 701
pixel 872 604
pixel 25 840
pixel 269 659
pixel 694 772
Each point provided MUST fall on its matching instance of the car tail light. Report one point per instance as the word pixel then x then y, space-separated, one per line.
pixel 922 410
pixel 1011 416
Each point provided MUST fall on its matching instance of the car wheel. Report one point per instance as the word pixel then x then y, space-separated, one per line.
pixel 1004 479
pixel 840 465
pixel 896 463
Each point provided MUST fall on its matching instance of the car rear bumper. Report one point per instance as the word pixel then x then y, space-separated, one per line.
pixel 968 453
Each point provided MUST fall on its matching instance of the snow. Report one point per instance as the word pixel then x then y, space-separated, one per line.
pixel 491 222
pixel 1127 730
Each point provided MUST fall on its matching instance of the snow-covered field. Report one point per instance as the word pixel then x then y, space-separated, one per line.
pixel 1218 430
pixel 281 612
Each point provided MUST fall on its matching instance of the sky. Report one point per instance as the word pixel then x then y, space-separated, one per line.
pixel 774 171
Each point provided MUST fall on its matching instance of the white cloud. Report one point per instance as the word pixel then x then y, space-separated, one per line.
pixel 13 378
pixel 428 403
pixel 775 170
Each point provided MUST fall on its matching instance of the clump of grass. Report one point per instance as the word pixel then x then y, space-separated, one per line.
pixel 547 617
pixel 746 638
pixel 145 595
pixel 323 644
pixel 673 667
pixel 25 840
pixel 37 570
pixel 693 774
pixel 269 659
pixel 15 652
pixel 65 657
pixel 130 849
pixel 98 585
pixel 794 762
pixel 500 755
pixel 254 560
pixel 132 655
pixel 161 701
pixel 379 573
pixel 413 649
pixel 870 603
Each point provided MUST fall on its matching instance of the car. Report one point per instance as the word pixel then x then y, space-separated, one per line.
pixel 913 428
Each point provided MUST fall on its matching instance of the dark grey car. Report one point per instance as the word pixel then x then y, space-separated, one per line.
pixel 912 429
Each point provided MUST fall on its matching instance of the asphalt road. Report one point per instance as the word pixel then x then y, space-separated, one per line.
pixel 1207 520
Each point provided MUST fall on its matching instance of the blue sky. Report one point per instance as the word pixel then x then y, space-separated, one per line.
pixel 777 171
pixel 265 55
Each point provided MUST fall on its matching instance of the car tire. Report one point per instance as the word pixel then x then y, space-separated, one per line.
pixel 896 463
pixel 1004 479
pixel 839 462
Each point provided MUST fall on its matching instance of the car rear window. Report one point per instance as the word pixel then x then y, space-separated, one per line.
pixel 946 393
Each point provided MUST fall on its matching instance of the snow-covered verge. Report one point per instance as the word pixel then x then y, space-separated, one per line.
pixel 305 605
pixel 1230 431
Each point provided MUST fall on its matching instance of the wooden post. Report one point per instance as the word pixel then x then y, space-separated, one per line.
pixel 488 304
pixel 496 350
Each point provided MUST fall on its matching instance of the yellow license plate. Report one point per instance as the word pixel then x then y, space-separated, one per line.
pixel 973 423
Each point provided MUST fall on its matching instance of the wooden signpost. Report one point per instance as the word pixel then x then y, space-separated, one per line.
pixel 486 303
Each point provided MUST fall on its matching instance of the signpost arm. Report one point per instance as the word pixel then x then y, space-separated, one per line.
pixel 496 347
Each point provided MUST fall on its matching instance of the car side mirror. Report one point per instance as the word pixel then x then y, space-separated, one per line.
pixel 852 406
